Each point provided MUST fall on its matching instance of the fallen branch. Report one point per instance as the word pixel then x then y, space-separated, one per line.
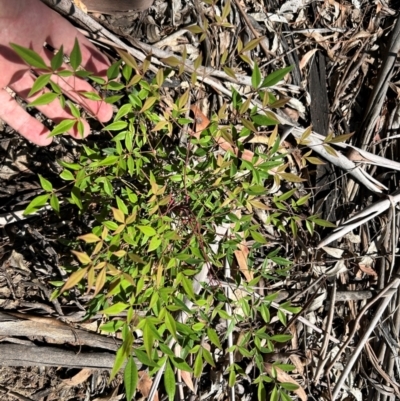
pixel 23 355
pixel 53 331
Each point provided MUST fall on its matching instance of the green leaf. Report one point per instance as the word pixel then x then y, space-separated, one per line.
pixel 89 238
pixel 109 161
pixel 81 128
pixel 261 393
pixel 148 338
pixel 165 350
pixel 286 195
pixel 147 230
pixel 263 120
pixel 63 127
pixel 148 103
pixel 251 45
pixel 154 244
pixel 169 381
pixel 289 386
pixel 119 360
pixel 143 358
pixel 44 99
pixel 198 363
pixel 74 110
pixel 115 309
pixel 113 70
pixel 232 378
pixel 115 86
pixel 180 364
pixel 256 77
pixel 170 323
pixel 75 278
pixel 323 223
pixel 75 56
pixel 113 99
pixel 208 358
pixel 303 200
pixel 123 111
pixel 249 125
pixel 36 203
pixel 54 203
pixel 116 126
pixel 76 197
pixel 172 61
pixel 276 76
pixel 281 338
pixel 57 60
pixel 291 177
pixel 111 225
pixel 39 84
pixel 91 96
pixel 258 237
pixel 280 261
pixel 282 317
pixel 287 306
pixel 65 73
pixel 213 337
pixel 121 205
pixel 112 326
pixel 265 314
pixel 340 138
pixel 274 394
pixel 130 378
pixel 98 80
pixel 188 287
pixel 82 74
pixel 256 190
pixel 310 227
pixel 29 56
pixel 45 184
pixel 67 175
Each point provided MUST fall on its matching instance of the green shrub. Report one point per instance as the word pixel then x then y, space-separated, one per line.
pixel 165 201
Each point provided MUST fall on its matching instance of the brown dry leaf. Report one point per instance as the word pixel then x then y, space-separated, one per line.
pixel 306 58
pixel 144 385
pixel 247 155
pixel 200 119
pixel 187 378
pixel 111 397
pixel 367 270
pixel 296 360
pixel 79 378
pixel 355 156
pixel 225 145
pixel 283 377
pixel 291 113
pixel 259 139
pixel 17 260
pixel 241 256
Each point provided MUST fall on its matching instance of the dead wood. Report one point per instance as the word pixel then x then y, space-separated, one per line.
pixel 53 331
pixel 112 6
pixel 379 92
pixel 22 355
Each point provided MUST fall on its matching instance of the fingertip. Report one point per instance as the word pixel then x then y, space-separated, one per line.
pixel 99 109
pixel 74 132
pixel 23 123
pixel 104 113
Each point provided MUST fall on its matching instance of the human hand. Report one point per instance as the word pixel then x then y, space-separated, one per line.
pixel 30 23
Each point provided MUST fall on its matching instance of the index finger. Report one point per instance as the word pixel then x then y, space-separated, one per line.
pixel 63 33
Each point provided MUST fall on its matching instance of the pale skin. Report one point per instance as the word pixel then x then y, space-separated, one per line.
pixel 30 23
